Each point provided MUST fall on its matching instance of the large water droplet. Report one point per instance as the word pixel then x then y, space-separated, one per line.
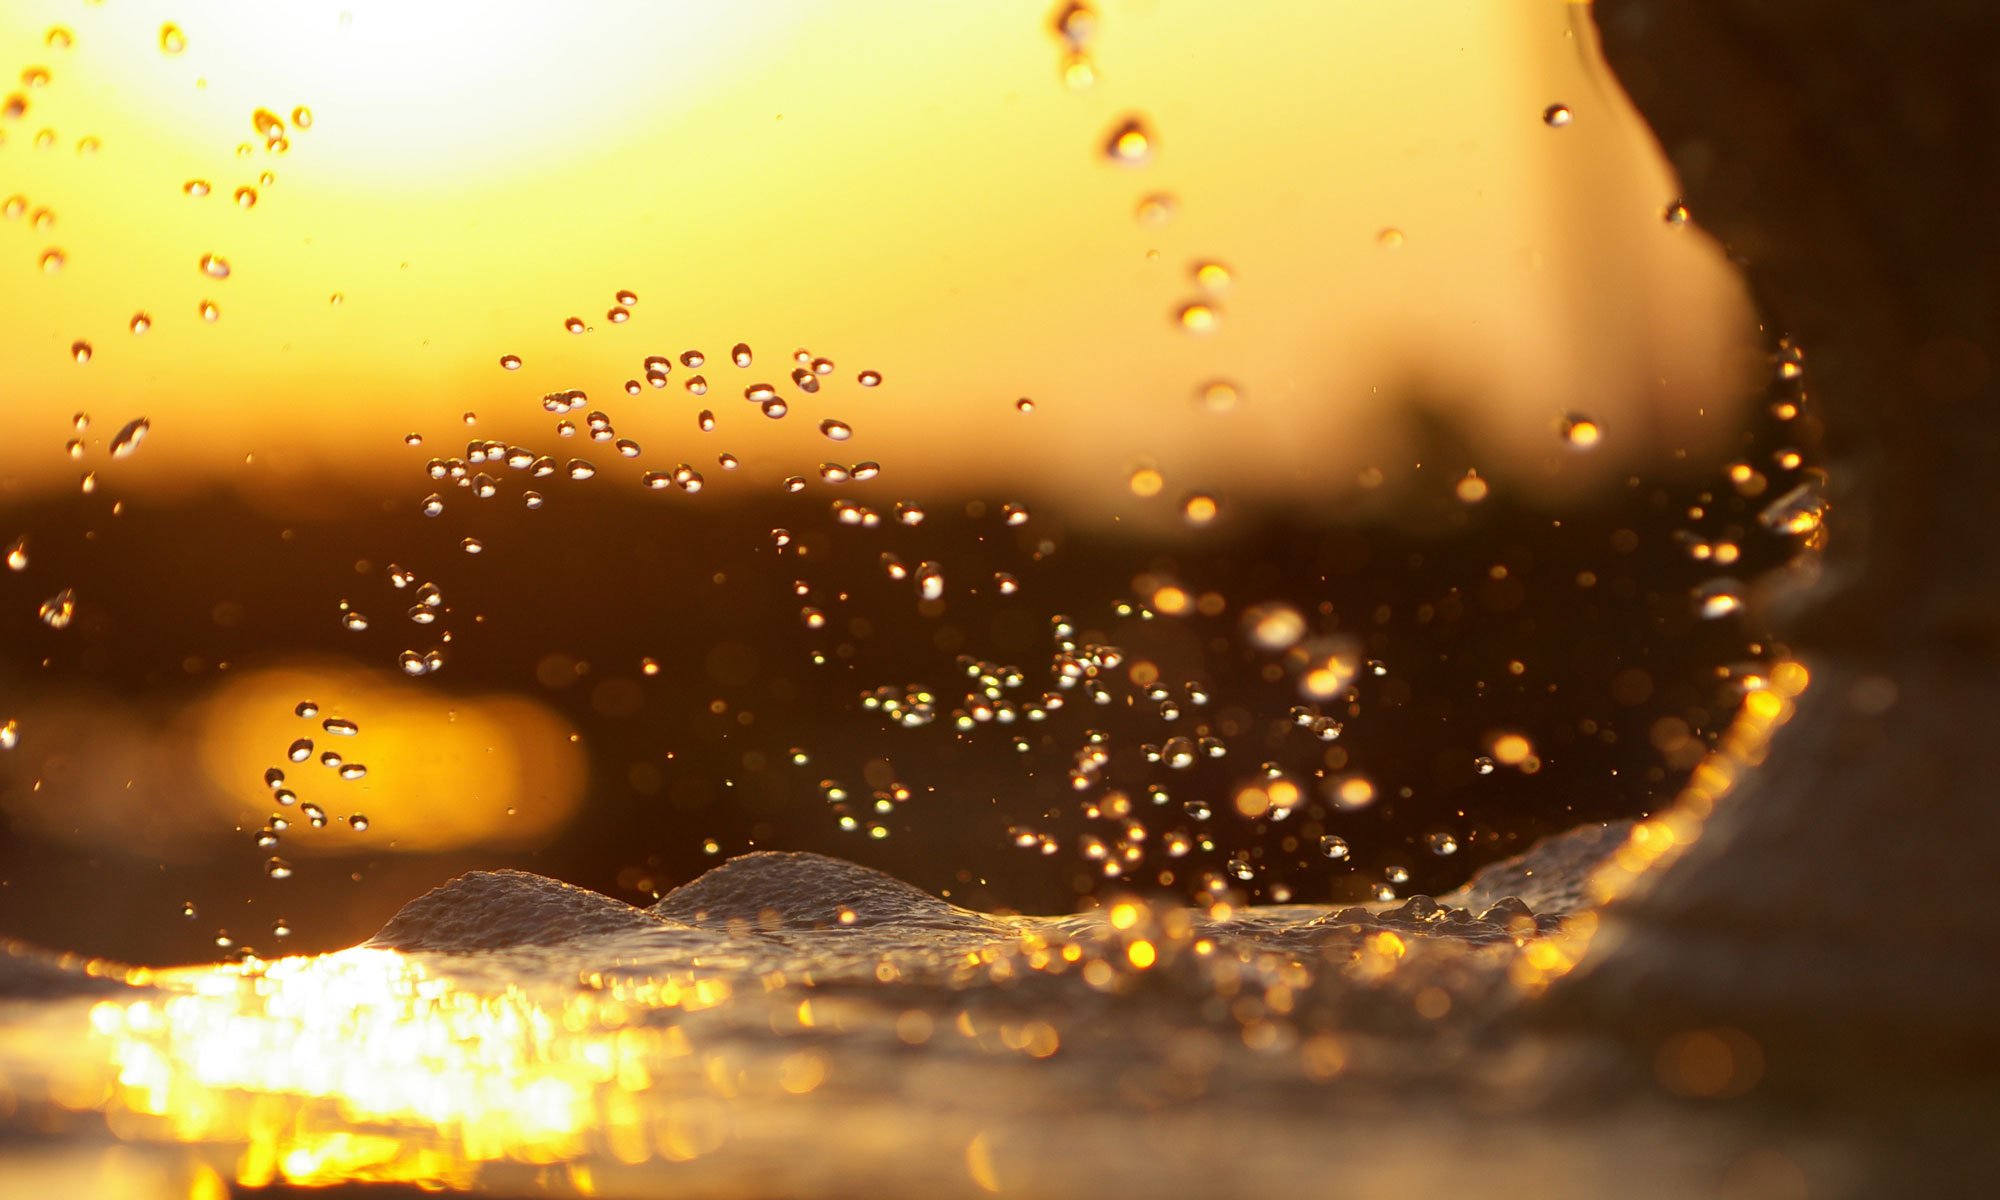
pixel 58 610
pixel 126 441
pixel 1130 143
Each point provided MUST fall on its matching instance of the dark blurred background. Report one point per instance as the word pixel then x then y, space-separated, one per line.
pixel 663 635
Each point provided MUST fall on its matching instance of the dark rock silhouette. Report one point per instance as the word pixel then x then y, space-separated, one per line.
pixel 1847 154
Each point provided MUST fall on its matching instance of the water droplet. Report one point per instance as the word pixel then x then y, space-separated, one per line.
pixel 1274 627
pixel 740 354
pixel 281 928
pixel 1333 847
pixel 358 822
pixel 510 362
pixel 58 38
pixel 692 358
pixel 617 315
pixel 188 909
pixel 269 125
pixel 172 40
pixel 53 260
pixel 353 771
pixel 1200 508
pixel 1799 511
pixel 1014 514
pixel 80 351
pixel 838 431
pixel 795 483
pixel 1130 143
pixel 246 197
pixel 195 187
pixel 209 312
pixel 354 621
pixel 1024 405
pixel 1442 844
pixel 696 385
pixel 775 408
pixel 277 868
pixel 580 469
pixel 575 325
pixel 1555 116
pixel 1198 317
pixel 1718 598
pixel 471 545
pixel 1390 239
pixel 433 505
pixel 17 554
pixel 302 117
pixel 141 322
pixel 215 266
pixel 306 708
pixel 300 750
pixel 1580 431
pixel 10 734
pixel 1211 276
pixel 58 610
pixel 869 379
pixel 340 726
pixel 1675 214
pixel 126 441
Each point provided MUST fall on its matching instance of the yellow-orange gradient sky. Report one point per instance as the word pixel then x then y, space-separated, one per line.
pixel 904 186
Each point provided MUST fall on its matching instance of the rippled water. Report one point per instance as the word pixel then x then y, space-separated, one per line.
pixel 794 1025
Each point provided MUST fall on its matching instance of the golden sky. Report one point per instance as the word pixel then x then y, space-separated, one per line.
pixel 903 186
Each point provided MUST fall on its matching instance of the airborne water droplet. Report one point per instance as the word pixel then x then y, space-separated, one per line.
pixel 1580 431
pixel 277 868
pixel 1718 598
pixel 838 431
pixel 141 322
pixel 172 40
pixel 126 441
pixel 1555 116
pixel 1129 143
pixel 869 378
pixel 58 610
pixel 510 362
pixel 1198 317
pixel 215 266
pixel 17 554
pixel 341 726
